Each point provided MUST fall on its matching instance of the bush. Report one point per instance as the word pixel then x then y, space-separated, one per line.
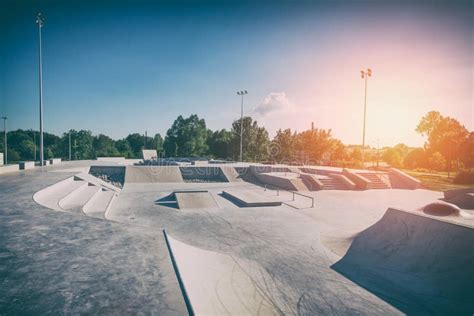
pixel 464 177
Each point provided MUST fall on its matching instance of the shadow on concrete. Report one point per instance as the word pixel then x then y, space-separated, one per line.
pixel 418 264
pixel 168 201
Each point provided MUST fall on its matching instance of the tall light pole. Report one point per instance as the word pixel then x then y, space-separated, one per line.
pixel 365 75
pixel 69 145
pixel 242 93
pixel 5 139
pixel 40 22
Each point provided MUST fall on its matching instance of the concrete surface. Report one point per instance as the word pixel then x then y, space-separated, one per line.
pixel 63 263
pixel 59 263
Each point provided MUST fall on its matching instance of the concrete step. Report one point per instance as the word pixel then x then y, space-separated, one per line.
pixel 99 204
pixel 50 196
pixel 377 182
pixel 79 197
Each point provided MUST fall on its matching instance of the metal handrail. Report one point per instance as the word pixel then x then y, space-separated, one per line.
pixel 297 193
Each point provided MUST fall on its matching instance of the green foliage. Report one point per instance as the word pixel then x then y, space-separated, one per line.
pixel 417 158
pixel 219 143
pixel 255 140
pixel 446 136
pixel 186 138
pixel 437 162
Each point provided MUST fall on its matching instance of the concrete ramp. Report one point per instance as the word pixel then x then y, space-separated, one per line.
pixel 249 198
pixel 419 264
pixel 201 199
pixel 216 284
pixel 152 174
pixel 231 174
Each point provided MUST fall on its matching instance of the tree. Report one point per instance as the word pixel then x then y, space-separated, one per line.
pixel 123 147
pixel 255 140
pixel 104 146
pixel 315 143
pixel 158 143
pixel 417 158
pixel 445 135
pixel 219 143
pixel 392 157
pixel 437 162
pixel 136 143
pixel 282 148
pixel 186 137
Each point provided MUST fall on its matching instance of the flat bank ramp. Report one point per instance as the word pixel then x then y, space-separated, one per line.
pixel 194 200
pixel 231 174
pixel 215 283
pixel 152 174
pixel 419 264
pixel 249 198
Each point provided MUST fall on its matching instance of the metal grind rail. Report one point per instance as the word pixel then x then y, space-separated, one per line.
pixel 292 192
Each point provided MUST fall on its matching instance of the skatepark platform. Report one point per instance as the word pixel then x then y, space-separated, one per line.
pixel 249 198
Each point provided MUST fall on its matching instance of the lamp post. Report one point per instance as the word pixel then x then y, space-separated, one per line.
pixel 5 139
pixel 365 75
pixel 242 93
pixel 69 145
pixel 40 22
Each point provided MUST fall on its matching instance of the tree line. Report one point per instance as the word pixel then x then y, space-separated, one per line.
pixel 449 145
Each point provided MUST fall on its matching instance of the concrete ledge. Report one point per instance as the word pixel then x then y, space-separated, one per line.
pixel 24 165
pixel 348 183
pixel 8 168
pixel 55 161
pixel 111 159
pixel 360 182
pixel 311 181
pixel 249 198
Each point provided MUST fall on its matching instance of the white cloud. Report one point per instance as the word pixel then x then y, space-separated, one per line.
pixel 274 101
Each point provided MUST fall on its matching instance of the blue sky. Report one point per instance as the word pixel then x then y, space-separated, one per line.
pixel 121 67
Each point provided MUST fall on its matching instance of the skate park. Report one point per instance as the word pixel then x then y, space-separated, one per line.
pixel 232 238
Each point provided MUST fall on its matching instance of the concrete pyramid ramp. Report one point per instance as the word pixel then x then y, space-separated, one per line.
pixel 201 199
pixel 231 174
pixel 419 264
pixel 152 174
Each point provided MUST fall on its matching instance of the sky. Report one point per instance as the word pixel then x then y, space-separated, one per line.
pixel 120 67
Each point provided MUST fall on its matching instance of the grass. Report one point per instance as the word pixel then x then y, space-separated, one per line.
pixel 437 181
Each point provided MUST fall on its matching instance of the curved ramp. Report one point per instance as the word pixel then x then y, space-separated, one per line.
pixel 419 264
pixel 152 174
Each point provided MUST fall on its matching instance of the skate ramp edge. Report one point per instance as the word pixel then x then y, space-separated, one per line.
pixel 417 263
pixel 216 284
pixel 153 174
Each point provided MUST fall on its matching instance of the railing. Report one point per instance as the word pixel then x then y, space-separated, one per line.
pixel 293 194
